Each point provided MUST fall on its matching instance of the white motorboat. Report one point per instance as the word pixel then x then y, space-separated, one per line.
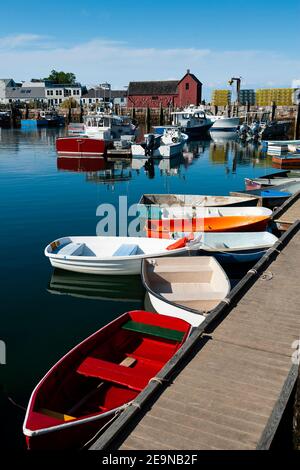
pixel 187 287
pixel 167 145
pixel 223 123
pixel 109 255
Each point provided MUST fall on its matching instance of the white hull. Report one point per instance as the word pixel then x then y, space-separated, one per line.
pixel 98 258
pixel 224 124
pixel 164 151
pixel 159 306
pixel 187 288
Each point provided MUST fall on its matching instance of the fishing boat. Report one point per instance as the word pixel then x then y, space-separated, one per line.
pixel 167 145
pixel 232 247
pixel 291 160
pixel 53 118
pixel 87 286
pixel 100 130
pixel 97 379
pixel 192 121
pixel 208 219
pixel 187 288
pixel 109 255
pixel 270 196
pixel 153 203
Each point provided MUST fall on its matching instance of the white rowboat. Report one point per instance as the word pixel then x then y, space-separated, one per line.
pixel 107 255
pixel 187 287
pixel 157 200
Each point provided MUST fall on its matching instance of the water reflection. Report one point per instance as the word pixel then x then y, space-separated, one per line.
pixel 120 288
pixel 225 149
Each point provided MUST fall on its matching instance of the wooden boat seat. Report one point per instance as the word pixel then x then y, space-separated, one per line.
pixel 192 296
pixel 111 372
pixel 126 249
pixel 153 330
pixel 72 249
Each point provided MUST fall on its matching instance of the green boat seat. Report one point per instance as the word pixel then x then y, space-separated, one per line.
pixel 154 330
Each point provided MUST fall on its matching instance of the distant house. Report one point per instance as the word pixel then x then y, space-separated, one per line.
pixel 100 95
pixel 176 93
pixel 38 90
pixel 57 93
pixel 6 84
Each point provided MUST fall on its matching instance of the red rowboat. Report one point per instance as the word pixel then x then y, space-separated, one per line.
pixel 81 146
pixel 97 378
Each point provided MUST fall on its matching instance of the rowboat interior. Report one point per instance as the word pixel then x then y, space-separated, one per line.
pixel 107 370
pixel 105 247
pixel 198 283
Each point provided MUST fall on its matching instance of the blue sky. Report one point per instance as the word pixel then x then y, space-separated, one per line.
pixel 120 41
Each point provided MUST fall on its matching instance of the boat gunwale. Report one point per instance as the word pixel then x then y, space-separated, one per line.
pixel 95 259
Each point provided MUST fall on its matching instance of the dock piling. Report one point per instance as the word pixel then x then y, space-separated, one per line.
pixel 297 123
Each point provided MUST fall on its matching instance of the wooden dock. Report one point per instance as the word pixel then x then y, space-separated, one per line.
pixel 228 386
pixel 288 213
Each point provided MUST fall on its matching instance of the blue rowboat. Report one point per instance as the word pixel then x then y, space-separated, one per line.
pixel 269 197
pixel 231 247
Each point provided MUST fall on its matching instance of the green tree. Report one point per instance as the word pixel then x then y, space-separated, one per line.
pixel 62 77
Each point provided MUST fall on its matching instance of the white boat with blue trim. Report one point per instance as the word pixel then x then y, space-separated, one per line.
pixel 108 255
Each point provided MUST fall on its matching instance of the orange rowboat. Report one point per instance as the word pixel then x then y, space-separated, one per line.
pixel 161 228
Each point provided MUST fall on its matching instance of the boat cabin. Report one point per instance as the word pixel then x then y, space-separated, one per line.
pixel 189 117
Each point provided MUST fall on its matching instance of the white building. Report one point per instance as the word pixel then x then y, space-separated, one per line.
pixel 56 94
pixel 43 91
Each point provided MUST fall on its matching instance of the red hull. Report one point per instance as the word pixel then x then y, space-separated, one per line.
pixel 73 401
pixel 81 146
pixel 286 162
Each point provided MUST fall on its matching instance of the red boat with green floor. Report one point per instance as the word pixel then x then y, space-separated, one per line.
pixel 82 393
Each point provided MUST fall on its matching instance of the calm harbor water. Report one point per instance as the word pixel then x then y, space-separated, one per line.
pixel 45 313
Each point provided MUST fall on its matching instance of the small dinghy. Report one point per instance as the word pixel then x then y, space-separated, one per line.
pixel 271 196
pixel 155 202
pixel 233 247
pixel 99 377
pixel 209 219
pixel 109 255
pixel 187 287
pixel 259 183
